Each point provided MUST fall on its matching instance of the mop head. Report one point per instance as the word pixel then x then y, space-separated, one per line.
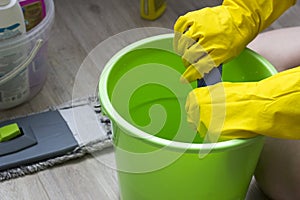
pixel 89 126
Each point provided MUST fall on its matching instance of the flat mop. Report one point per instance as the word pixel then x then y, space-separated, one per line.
pixel 54 136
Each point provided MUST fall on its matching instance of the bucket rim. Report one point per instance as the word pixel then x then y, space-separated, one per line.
pixel 109 110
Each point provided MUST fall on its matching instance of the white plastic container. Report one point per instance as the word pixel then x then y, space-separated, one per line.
pixel 26 56
pixel 11 19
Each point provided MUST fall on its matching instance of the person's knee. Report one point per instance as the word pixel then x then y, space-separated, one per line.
pixel 280 47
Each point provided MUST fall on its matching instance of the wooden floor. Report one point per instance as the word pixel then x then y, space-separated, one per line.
pixel 79 27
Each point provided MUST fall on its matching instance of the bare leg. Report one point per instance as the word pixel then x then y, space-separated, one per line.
pixel 281 47
pixel 277 172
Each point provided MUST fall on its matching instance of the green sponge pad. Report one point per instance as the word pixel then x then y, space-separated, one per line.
pixel 9 131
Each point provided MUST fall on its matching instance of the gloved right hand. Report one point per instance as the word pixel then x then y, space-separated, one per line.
pixel 209 37
pixel 270 107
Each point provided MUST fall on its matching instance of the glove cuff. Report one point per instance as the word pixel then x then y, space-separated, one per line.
pixel 254 16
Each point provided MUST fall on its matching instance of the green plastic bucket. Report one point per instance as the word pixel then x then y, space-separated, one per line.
pixel 157 153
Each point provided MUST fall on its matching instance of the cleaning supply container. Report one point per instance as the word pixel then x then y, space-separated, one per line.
pixel 152 9
pixel 158 156
pixel 23 62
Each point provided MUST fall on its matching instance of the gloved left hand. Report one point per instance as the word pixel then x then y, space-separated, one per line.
pixel 270 107
pixel 209 37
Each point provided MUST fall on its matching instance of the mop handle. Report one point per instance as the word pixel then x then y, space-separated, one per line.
pixel 213 77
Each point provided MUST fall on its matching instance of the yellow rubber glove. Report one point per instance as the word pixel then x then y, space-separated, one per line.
pixel 209 37
pixel 270 107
